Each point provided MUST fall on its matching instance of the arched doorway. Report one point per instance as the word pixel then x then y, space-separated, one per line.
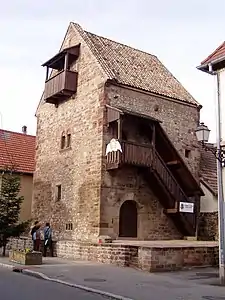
pixel 128 219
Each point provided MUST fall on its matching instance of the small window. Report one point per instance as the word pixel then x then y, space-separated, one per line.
pixel 187 153
pixel 63 141
pixel 68 144
pixel 69 226
pixel 58 192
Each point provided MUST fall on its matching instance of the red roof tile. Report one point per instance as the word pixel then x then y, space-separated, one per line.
pixel 135 68
pixel 17 150
pixel 208 169
pixel 218 53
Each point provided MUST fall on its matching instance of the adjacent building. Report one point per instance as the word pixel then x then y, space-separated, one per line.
pixel 99 92
pixel 17 151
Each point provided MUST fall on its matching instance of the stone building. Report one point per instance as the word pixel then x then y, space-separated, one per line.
pixel 208 221
pixel 98 90
pixel 17 151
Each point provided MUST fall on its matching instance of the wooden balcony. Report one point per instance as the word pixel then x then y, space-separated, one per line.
pixel 132 154
pixel 60 87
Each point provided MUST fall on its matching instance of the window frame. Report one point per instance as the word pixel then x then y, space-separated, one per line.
pixel 58 192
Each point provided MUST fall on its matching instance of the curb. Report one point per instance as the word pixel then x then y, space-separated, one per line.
pixel 7 266
pixel 44 277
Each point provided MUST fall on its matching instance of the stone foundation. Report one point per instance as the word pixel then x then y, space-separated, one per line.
pixel 161 257
pixel 150 259
pixel 208 226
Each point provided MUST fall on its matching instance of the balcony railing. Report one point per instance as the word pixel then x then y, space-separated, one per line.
pixel 132 154
pixel 61 86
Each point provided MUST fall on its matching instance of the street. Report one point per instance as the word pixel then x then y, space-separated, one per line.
pixel 14 286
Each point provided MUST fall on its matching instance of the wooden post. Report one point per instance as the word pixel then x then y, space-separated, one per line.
pixel 47 72
pixel 119 131
pixel 197 214
pixel 66 62
pixel 153 135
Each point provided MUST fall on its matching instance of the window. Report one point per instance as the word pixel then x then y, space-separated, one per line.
pixel 63 141
pixel 69 226
pixel 187 153
pixel 58 192
pixel 68 144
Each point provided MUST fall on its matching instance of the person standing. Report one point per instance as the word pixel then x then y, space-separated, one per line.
pixel 36 236
pixel 48 239
pixel 33 235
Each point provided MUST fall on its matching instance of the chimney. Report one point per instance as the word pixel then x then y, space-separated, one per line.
pixel 24 129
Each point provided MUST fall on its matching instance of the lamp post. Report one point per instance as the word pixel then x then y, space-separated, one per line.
pixel 202 133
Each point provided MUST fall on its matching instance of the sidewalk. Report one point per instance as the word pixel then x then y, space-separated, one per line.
pixel 133 284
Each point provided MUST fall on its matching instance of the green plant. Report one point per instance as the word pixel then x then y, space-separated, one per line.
pixel 10 203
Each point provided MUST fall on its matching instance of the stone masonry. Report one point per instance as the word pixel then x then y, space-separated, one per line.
pixel 91 196
pixel 148 258
pixel 77 169
pixel 179 121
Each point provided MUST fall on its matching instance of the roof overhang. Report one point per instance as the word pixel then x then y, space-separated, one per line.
pixel 216 65
pixel 117 111
pixel 56 61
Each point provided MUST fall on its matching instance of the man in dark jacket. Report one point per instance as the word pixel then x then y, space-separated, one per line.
pixel 48 239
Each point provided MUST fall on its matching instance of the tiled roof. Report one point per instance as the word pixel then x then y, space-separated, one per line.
pixel 135 68
pixel 208 169
pixel 218 53
pixel 17 150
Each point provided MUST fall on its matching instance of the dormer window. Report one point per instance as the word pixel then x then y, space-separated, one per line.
pixel 62 83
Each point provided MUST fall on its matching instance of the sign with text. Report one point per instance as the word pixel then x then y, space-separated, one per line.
pixel 186 207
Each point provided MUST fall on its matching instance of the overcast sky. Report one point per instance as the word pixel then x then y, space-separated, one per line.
pixel 180 33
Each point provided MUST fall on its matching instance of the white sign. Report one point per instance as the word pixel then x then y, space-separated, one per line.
pixel 113 145
pixel 186 207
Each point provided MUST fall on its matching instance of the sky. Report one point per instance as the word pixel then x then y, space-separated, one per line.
pixel 180 33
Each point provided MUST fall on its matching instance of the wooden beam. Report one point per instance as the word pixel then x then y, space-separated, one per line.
pixel 153 135
pixel 66 62
pixel 119 133
pixel 173 162
pixel 172 210
pixel 47 72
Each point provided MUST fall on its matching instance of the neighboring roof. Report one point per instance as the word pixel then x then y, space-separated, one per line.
pixel 208 169
pixel 17 150
pixel 217 54
pixel 135 68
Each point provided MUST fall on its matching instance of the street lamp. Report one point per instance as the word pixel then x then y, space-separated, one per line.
pixel 202 133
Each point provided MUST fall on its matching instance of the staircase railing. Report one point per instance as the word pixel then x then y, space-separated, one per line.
pixel 172 185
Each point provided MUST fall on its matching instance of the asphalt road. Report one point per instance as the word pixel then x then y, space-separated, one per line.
pixel 15 286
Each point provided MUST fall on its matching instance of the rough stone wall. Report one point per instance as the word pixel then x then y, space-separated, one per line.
pixel 208 226
pixel 78 168
pixel 128 183
pixel 151 259
pixel 144 258
pixel 178 120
